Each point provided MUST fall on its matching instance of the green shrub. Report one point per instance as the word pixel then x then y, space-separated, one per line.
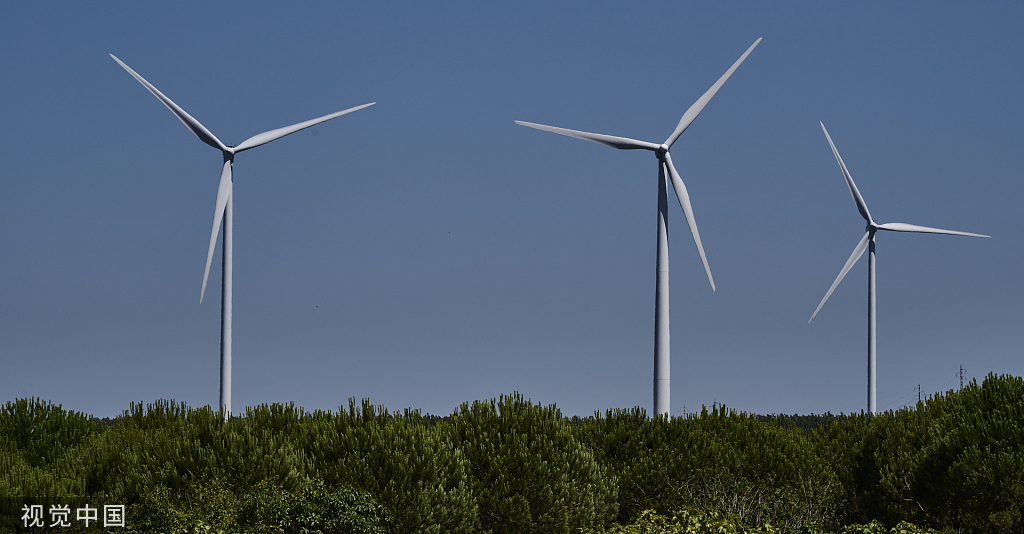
pixel 954 463
pixel 168 444
pixel 529 472
pixel 718 460
pixel 409 466
pixel 266 508
pixel 689 521
pixel 42 431
pixel 875 527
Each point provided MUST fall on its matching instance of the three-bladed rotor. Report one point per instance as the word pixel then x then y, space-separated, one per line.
pixel 225 186
pixel 872 226
pixel 662 151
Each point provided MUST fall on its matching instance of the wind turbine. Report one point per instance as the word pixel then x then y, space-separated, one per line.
pixel 662 357
pixel 868 243
pixel 223 212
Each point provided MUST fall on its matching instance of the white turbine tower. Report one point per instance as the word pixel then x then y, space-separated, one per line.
pixel 661 319
pixel 223 211
pixel 868 243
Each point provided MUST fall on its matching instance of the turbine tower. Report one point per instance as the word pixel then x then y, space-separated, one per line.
pixel 223 212
pixel 868 243
pixel 665 167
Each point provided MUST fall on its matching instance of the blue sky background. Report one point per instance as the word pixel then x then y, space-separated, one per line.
pixel 427 251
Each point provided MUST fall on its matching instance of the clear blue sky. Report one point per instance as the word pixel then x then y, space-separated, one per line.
pixel 427 251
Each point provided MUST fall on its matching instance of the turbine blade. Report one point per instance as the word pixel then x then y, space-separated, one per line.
pixel 684 202
pixel 223 192
pixel 904 227
pixel 862 206
pixel 201 132
pixel 698 106
pixel 266 137
pixel 857 253
pixel 623 143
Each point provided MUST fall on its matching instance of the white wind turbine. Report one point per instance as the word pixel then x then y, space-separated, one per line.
pixel 662 357
pixel 868 243
pixel 223 211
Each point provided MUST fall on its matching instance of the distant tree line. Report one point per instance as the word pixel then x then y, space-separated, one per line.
pixel 953 463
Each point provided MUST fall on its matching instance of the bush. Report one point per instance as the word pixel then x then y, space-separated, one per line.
pixel 689 521
pixel 717 460
pixel 168 444
pixel 266 508
pixel 529 472
pixel 409 466
pixel 41 431
pixel 954 463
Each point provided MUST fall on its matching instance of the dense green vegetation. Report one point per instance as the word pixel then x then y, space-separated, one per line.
pixel 954 463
